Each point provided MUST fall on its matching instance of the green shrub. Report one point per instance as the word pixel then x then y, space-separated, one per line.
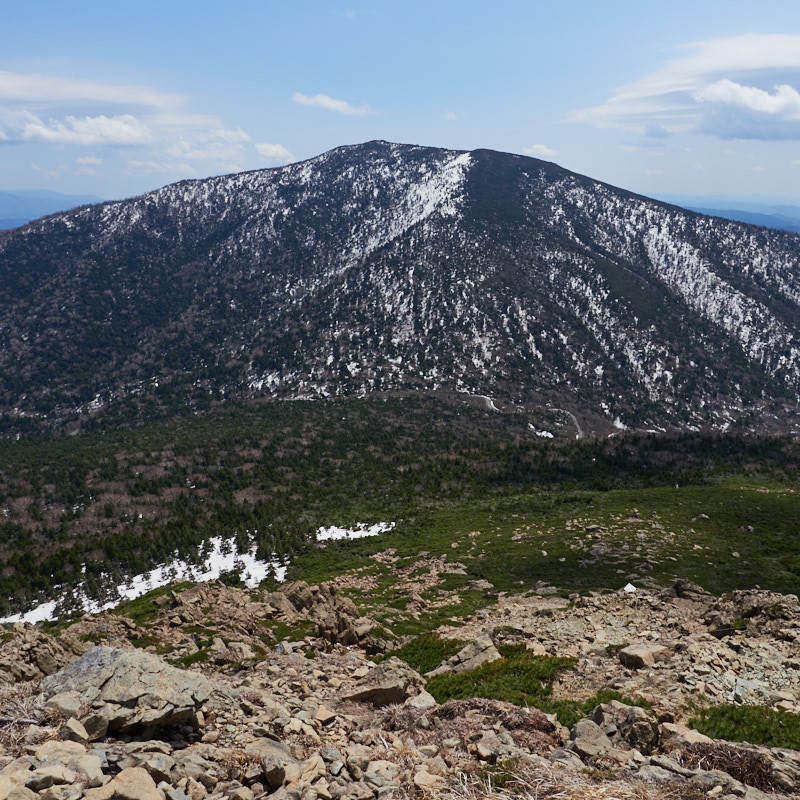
pixel 754 724
pixel 143 609
pixel 518 677
pixel 193 658
pixel 525 680
pixel 426 652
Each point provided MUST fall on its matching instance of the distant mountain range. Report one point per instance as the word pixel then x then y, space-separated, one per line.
pixel 769 215
pixel 19 207
pixel 383 267
pixel 778 221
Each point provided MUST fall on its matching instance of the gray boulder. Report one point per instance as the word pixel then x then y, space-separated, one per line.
pixel 131 688
pixel 629 726
pixel 391 681
pixel 480 651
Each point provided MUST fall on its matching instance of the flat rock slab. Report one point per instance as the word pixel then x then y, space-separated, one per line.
pixel 637 656
pixel 131 688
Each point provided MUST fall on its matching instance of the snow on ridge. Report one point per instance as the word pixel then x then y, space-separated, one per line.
pixel 359 531
pixel 222 558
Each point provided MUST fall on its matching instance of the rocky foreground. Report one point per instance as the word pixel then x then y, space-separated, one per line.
pixel 105 708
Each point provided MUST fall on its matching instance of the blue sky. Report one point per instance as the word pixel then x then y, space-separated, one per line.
pixel 691 98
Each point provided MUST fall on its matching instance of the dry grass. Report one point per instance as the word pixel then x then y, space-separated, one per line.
pixel 463 719
pixel 537 782
pixel 740 762
pixel 21 705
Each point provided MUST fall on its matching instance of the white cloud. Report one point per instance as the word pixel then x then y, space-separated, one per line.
pixel 273 152
pixel 19 87
pixel 716 88
pixel 179 119
pixel 148 166
pixel 329 104
pixel 227 135
pixel 47 111
pixel 124 129
pixel 540 151
pixel 734 111
pixel 450 115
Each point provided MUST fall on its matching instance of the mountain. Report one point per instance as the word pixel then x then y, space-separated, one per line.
pixel 17 208
pixel 779 221
pixel 382 266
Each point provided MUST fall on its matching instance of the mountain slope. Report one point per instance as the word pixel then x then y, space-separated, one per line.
pixel 383 266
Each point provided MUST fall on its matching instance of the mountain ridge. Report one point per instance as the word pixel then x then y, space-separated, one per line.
pixel 382 267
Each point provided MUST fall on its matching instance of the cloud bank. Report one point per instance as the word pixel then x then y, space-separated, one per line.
pixel 738 87
pixel 159 133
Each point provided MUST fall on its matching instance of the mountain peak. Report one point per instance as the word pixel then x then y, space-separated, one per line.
pixel 383 266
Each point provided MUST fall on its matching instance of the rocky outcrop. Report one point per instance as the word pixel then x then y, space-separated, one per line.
pixel 391 681
pixel 317 719
pixel 29 654
pixel 131 689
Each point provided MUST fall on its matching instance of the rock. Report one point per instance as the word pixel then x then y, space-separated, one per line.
pixel 132 783
pixel 635 727
pixel 131 688
pixel 275 757
pixel 480 651
pixel 68 704
pixel 54 751
pixel 73 731
pixel 14 791
pixel 421 701
pixel 391 681
pixel 425 781
pixel 675 735
pixel 46 776
pixel 324 715
pixel 641 655
pixel 590 742
pixel 96 726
